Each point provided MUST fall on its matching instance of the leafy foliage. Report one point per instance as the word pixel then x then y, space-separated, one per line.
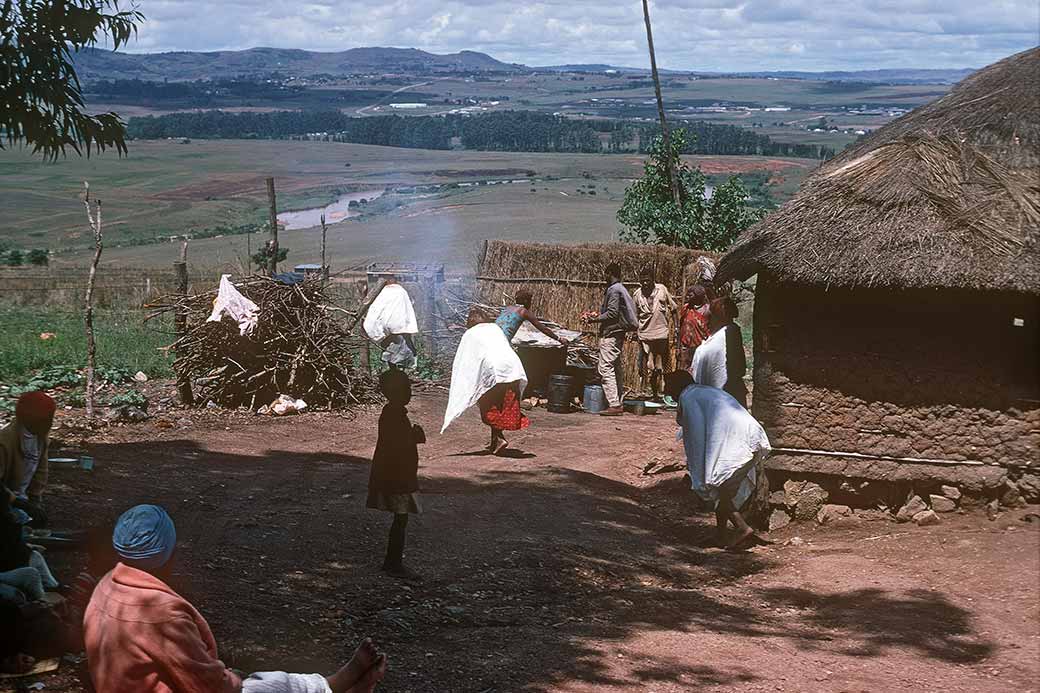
pixel 14 258
pixel 263 256
pixel 650 215
pixel 39 257
pixel 41 103
pixel 130 398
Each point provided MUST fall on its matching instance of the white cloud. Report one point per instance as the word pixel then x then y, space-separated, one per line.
pixel 704 35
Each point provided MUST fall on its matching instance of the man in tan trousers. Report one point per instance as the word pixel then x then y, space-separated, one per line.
pixel 617 317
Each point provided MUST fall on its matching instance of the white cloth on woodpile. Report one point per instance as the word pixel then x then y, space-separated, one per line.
pixel 230 301
pixel 390 313
pixel 709 361
pixel 281 682
pixel 484 359
pixel 720 438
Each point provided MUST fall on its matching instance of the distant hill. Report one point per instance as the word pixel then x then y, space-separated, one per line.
pixel 94 64
pixel 891 76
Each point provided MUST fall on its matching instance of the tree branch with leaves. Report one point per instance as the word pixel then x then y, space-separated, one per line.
pixel 41 99
pixel 650 214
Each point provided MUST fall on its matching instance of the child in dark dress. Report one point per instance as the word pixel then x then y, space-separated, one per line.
pixel 393 484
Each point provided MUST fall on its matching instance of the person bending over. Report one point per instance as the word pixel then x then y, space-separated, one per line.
pixel 142 637
pixel 724 445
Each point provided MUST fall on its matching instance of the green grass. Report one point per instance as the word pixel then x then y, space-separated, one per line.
pixel 123 341
pixel 163 189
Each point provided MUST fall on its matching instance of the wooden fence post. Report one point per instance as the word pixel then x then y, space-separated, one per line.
pixel 427 285
pixel 366 366
pixel 272 261
pixel 88 313
pixel 180 323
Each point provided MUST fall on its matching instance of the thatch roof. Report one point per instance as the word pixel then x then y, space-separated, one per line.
pixel 946 196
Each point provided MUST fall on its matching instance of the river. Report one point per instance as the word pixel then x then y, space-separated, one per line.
pixel 336 212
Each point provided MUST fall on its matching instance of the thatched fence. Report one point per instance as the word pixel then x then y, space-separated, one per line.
pixel 567 280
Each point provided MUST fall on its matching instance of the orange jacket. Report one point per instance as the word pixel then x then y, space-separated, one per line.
pixel 142 637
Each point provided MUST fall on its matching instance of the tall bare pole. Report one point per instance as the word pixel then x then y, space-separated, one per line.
pixel 673 179
pixel 180 323
pixel 94 219
pixel 272 260
pixel 324 267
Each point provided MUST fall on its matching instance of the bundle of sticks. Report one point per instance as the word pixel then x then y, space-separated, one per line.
pixel 295 349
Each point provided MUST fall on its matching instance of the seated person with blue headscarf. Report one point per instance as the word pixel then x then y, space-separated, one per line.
pixel 142 637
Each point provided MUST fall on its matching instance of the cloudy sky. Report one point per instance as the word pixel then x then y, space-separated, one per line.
pixel 689 34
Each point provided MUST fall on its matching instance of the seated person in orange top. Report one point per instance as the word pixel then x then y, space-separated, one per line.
pixel 142 637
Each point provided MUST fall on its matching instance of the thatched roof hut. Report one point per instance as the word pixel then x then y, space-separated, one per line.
pixel 898 297
pixel 946 196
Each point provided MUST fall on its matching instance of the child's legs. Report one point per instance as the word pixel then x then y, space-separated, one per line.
pixel 395 547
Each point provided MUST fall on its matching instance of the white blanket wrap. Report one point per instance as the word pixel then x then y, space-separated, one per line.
pixel 709 361
pixel 390 313
pixel 484 359
pixel 720 438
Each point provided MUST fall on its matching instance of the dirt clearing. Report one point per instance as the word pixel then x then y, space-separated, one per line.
pixel 559 569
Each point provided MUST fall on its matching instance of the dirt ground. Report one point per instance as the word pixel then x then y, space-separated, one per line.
pixel 558 569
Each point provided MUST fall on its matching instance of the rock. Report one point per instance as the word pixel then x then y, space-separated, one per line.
pixel 1011 497
pixel 830 513
pixel 873 515
pixel 140 377
pixel 1029 487
pixel 777 499
pixel 795 541
pixel 941 504
pixel 134 414
pixel 993 509
pixel 926 517
pixel 778 519
pixel 951 492
pixel 805 498
pixel 913 506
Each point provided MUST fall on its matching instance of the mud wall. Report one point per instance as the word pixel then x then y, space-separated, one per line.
pixel 926 374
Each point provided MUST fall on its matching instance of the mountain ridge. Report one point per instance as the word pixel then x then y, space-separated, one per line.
pixel 95 64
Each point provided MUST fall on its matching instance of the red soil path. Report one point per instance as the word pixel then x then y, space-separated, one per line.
pixel 561 569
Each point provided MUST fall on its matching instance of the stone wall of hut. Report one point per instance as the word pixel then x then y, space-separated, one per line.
pixel 941 375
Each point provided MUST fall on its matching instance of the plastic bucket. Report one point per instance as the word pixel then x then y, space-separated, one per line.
pixel 594 399
pixel 561 388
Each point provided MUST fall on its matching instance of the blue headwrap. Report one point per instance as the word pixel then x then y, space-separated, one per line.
pixel 144 537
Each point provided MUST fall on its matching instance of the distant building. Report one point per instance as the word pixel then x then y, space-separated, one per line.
pixel 407 106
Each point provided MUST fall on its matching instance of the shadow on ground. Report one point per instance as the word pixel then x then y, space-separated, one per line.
pixel 532 577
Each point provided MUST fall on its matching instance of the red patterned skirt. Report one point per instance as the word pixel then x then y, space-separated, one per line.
pixel 500 408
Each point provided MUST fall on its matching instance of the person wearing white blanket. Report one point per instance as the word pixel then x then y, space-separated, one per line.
pixel 723 445
pixel 485 360
pixel 390 322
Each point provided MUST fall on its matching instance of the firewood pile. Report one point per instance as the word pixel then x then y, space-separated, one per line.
pixel 296 348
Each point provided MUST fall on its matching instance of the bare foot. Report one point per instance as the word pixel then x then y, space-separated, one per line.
pixel 371 678
pixel 743 541
pixel 364 658
pixel 402 573
pixel 17 664
pixel 500 447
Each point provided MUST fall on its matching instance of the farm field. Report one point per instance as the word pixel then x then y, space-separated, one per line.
pixel 165 188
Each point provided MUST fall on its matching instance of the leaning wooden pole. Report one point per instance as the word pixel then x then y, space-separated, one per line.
pixel 272 260
pixel 673 179
pixel 180 323
pixel 324 266
pixel 94 219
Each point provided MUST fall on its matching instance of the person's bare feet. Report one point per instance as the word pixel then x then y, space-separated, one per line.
pixel 371 678
pixel 365 657
pixel 743 541
pixel 499 447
